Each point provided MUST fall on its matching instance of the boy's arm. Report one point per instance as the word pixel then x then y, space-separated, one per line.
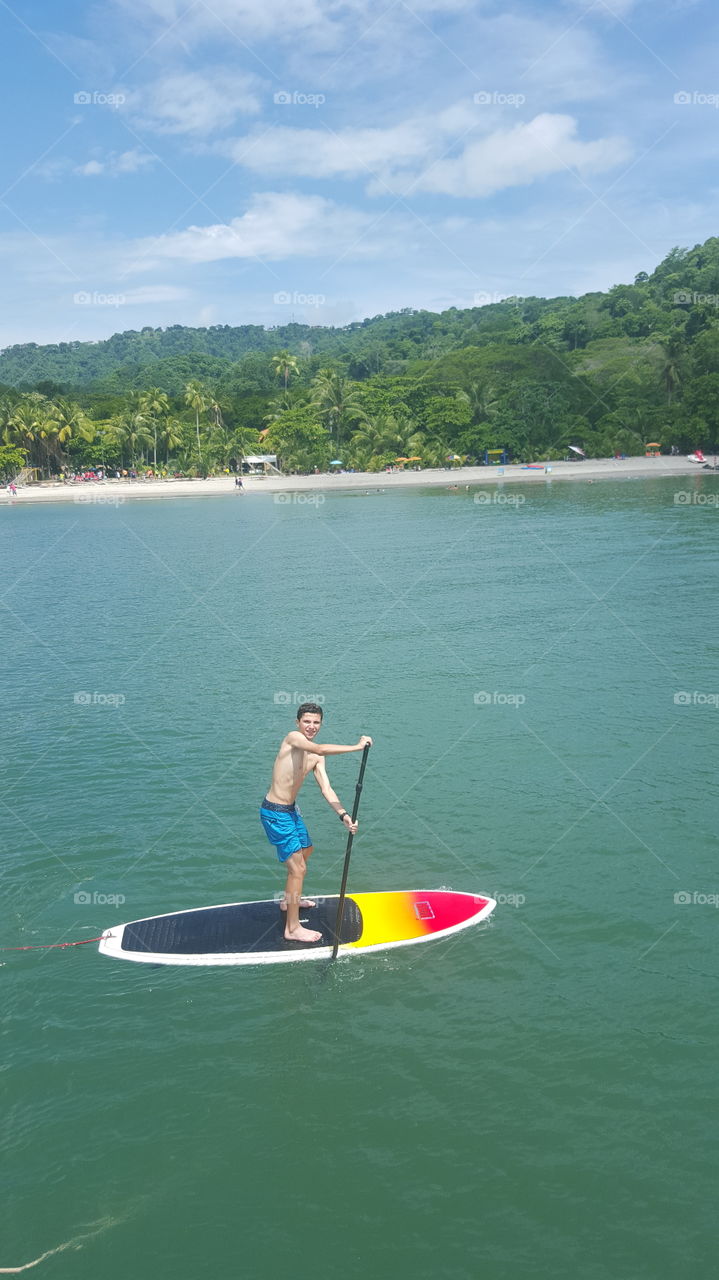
pixel 326 787
pixel 297 739
pixel 332 798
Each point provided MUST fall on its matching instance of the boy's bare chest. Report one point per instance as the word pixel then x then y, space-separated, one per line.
pixel 302 763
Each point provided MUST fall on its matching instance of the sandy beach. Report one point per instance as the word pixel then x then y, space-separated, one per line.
pixel 116 492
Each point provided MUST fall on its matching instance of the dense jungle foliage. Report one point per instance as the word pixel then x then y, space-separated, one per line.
pixel 607 372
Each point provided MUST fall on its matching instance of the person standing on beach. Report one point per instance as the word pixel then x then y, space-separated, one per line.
pixel 300 754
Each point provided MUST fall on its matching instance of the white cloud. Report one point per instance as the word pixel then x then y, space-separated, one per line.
pixel 265 32
pixel 194 102
pixel 113 165
pixel 611 10
pixel 552 62
pixel 222 18
pixel 321 153
pixel 518 156
pixel 152 293
pixel 132 161
pixel 84 57
pixel 401 157
pixel 277 225
pixel 53 169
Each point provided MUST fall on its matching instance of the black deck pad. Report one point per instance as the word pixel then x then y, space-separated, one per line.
pixel 246 926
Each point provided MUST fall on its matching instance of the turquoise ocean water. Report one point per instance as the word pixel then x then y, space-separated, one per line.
pixel 534 1097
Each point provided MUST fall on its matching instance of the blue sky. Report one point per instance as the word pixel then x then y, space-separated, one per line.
pixel 253 161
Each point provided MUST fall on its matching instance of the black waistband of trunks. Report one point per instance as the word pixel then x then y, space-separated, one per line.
pixel 279 808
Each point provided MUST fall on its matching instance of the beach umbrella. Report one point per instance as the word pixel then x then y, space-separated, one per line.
pixel 401 459
pixel 575 449
pixel 337 462
pixel 653 445
pixel 415 459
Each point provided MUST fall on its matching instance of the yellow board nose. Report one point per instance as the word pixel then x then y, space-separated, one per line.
pixel 388 917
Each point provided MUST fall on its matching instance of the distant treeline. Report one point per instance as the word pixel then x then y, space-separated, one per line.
pixel 608 372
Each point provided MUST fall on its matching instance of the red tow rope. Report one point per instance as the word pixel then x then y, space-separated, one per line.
pixel 46 946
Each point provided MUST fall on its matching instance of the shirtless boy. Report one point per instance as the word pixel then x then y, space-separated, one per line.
pixel 299 755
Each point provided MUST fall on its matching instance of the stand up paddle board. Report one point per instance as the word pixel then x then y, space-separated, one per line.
pixel 253 932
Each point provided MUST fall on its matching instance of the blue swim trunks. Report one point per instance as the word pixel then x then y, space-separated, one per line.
pixel 284 828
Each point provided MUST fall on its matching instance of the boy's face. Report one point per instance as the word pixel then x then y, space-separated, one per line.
pixel 310 724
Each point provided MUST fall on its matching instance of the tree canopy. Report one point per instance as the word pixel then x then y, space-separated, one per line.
pixel 606 371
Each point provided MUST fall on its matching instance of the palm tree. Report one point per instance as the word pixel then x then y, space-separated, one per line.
pixel 284 364
pixel 219 446
pixel 482 401
pixel 129 430
pixel 435 451
pixel 197 397
pixel 371 440
pixel 278 407
pixel 216 412
pixel 171 436
pixel 337 400
pixel 155 407
pixel 386 434
pixel 113 437
pixel 71 422
pixel 7 408
pixel 20 424
pixel 30 425
pixel 242 438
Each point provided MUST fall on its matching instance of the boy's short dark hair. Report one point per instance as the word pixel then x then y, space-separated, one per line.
pixel 309 708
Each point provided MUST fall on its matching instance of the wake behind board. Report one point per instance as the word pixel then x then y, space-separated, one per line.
pixel 253 932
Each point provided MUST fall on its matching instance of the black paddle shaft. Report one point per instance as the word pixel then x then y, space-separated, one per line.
pixel 348 854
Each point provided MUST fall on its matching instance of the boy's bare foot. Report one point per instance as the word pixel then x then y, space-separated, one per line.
pixel 300 934
pixel 304 902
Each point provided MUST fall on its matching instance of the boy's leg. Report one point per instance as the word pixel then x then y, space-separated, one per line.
pixel 294 931
pixel 304 849
pixel 303 902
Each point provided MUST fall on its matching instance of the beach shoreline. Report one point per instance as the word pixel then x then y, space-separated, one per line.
pixel 116 492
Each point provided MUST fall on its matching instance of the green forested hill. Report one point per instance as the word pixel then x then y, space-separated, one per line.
pixel 136 359
pixel 626 311
pixel 607 370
